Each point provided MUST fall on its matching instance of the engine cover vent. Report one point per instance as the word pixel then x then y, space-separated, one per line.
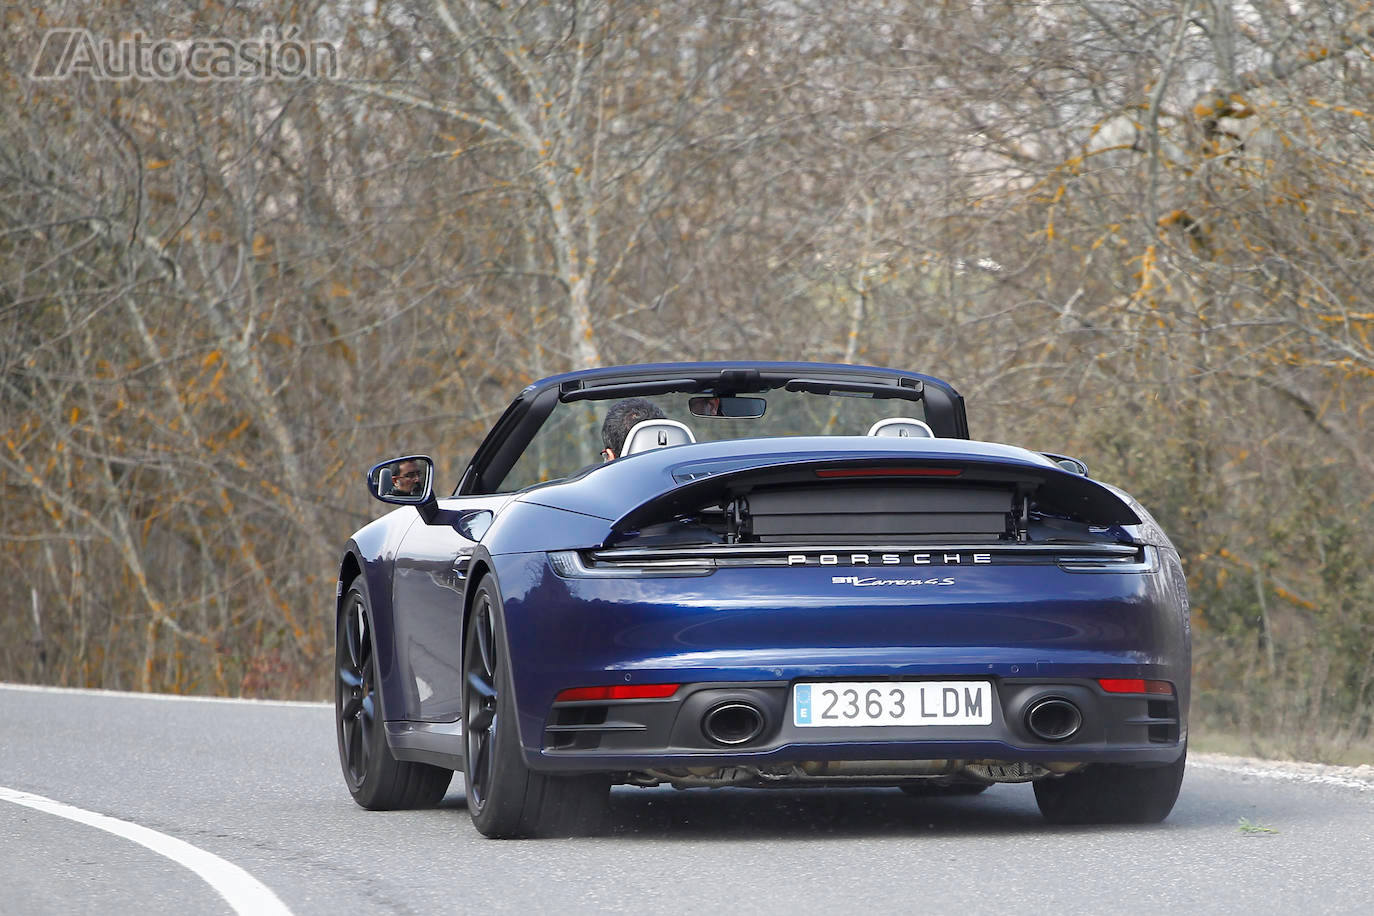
pixel 897 514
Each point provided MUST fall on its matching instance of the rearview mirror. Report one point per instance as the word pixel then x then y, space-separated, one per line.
pixel 405 481
pixel 732 407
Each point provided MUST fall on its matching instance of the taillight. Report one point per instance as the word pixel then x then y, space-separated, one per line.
pixel 1136 685
pixel 618 692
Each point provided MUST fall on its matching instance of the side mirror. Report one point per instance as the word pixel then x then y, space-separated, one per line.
pixel 405 481
pixel 732 407
pixel 409 481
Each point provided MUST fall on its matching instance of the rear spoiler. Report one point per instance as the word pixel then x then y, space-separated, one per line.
pixel 1047 488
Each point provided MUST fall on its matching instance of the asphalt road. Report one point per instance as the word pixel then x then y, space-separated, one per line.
pixel 258 786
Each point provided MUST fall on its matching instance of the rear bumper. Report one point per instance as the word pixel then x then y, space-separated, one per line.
pixel 1030 631
pixel 669 733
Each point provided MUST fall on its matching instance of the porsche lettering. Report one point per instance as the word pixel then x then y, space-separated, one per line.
pixel 889 559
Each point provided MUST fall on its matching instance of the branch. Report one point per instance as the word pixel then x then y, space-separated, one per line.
pixel 1214 103
pixel 405 98
pixel 1152 116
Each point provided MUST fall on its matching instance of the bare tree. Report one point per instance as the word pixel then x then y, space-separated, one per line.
pixel 1132 229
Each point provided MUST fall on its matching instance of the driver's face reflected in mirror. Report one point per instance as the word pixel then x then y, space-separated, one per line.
pixel 409 479
pixel 731 407
pixel 405 481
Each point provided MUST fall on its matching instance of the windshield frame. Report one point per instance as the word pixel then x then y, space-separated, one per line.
pixel 523 419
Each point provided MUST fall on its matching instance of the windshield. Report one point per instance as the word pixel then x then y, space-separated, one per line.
pixel 570 439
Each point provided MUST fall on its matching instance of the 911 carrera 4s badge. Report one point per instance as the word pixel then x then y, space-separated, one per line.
pixel 866 581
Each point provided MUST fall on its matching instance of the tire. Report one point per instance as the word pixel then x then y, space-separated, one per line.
pixel 1111 794
pixel 926 789
pixel 376 779
pixel 506 799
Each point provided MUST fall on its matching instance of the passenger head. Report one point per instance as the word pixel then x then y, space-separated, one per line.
pixel 620 419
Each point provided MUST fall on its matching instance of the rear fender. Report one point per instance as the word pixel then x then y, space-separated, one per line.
pixel 525 527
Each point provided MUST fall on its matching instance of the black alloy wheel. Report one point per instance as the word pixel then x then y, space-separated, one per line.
pixel 481 717
pixel 1112 793
pixel 355 701
pixel 506 799
pixel 375 778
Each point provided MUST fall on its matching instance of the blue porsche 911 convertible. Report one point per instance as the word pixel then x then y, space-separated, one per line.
pixel 757 574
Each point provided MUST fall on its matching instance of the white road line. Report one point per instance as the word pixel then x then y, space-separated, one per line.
pixel 92 692
pixel 1361 777
pixel 244 893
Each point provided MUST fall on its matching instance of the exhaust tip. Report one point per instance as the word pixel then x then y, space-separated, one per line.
pixel 733 723
pixel 1053 719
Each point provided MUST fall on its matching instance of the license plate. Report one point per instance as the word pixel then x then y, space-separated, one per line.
pixel 891 703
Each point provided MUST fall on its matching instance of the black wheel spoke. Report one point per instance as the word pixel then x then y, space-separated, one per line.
pixel 479 767
pixel 481 720
pixel 481 661
pixel 352 627
pixel 488 769
pixel 352 740
pixel 480 684
pixel 351 708
pixel 484 635
pixel 365 732
pixel 354 697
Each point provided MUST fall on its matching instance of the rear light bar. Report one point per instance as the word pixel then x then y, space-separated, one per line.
pixel 617 692
pixel 889 472
pixel 1136 685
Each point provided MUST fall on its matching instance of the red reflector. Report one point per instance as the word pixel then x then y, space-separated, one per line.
pixel 889 472
pixel 618 692
pixel 1135 685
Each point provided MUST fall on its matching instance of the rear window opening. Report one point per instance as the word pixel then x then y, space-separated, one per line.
pixel 889 513
pixel 890 503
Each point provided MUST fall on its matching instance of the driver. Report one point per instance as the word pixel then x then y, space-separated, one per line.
pixel 620 419
pixel 407 479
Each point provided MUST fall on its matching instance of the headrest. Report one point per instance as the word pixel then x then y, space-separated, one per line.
pixel 651 434
pixel 901 426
